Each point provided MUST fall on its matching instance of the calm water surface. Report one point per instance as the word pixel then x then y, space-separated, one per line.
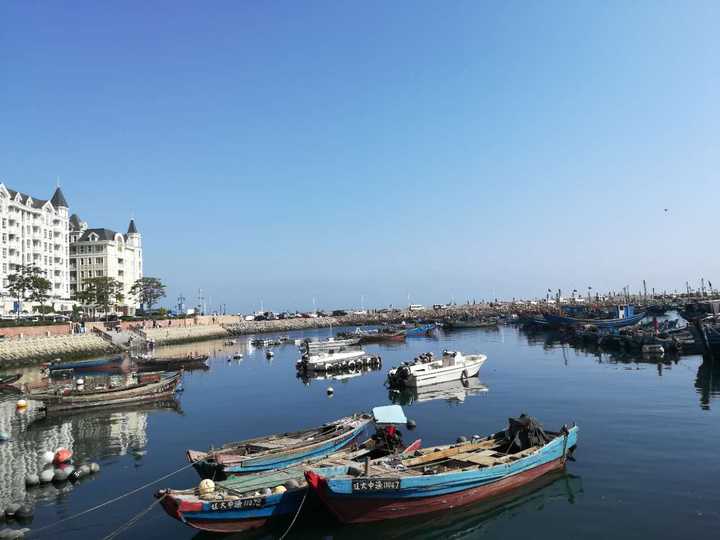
pixel 646 465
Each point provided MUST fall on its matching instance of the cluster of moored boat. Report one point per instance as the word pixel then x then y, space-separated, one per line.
pixel 361 479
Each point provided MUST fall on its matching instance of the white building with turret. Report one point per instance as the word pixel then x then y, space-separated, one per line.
pixel 34 232
pixel 105 253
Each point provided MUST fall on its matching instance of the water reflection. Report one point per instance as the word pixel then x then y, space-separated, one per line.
pixel 454 392
pixel 707 382
pixel 91 435
pixel 342 375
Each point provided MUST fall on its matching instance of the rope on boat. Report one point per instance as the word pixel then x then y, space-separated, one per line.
pixel 106 503
pixel 296 515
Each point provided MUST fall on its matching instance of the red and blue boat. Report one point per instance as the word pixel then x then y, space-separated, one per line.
pixel 249 501
pixel 445 477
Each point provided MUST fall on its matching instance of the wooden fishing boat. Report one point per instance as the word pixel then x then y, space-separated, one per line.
pixel 10 379
pixel 276 451
pixel 249 501
pixel 174 363
pixel 375 336
pixel 459 324
pixel 67 399
pixel 444 477
pixel 246 502
pixel 426 369
pixel 419 330
pixel 96 364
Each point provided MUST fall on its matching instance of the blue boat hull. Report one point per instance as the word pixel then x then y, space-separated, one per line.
pixel 419 330
pixel 558 320
pixel 409 495
pixel 87 364
pixel 223 517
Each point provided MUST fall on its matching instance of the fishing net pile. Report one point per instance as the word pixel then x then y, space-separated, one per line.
pixel 522 433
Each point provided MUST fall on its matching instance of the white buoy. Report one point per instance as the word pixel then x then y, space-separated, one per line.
pixel 47 457
pixel 330 391
pixel 47 475
pixel 94 467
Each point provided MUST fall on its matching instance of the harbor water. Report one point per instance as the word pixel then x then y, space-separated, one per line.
pixel 646 465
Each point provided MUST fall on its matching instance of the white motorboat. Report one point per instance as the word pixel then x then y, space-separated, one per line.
pixel 324 355
pixel 426 369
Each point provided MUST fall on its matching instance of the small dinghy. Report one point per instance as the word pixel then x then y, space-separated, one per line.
pixel 97 364
pixel 276 451
pixel 249 501
pixel 175 363
pixel 445 477
pixel 426 369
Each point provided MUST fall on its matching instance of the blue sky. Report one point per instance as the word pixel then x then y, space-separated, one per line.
pixel 285 151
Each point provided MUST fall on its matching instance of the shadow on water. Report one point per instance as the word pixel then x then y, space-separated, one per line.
pixel 466 522
pixel 707 382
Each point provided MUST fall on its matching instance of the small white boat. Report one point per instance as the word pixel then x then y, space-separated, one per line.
pixel 237 356
pixel 323 355
pixel 269 354
pixel 230 342
pixel 426 369
pixel 653 349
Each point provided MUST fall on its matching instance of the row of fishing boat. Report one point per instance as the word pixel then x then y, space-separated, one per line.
pixel 362 478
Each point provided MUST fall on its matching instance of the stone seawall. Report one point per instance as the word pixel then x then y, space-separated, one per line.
pixel 36 350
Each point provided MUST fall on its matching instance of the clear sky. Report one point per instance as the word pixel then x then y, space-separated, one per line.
pixel 285 151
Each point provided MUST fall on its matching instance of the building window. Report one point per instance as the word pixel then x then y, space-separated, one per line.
pixel 99 273
pixel 99 260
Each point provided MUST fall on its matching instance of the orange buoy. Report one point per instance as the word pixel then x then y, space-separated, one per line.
pixel 62 455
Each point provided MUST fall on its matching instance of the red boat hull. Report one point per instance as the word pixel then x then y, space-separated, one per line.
pixel 174 509
pixel 367 509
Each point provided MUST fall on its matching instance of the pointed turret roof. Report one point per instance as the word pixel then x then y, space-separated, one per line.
pixel 75 222
pixel 58 199
pixel 131 228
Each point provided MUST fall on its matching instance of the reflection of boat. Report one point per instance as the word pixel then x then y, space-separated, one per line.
pixel 442 478
pixel 337 374
pixel 453 391
pixel 95 364
pixel 64 399
pixel 425 369
pixel 276 451
pixel 163 403
pixel 249 501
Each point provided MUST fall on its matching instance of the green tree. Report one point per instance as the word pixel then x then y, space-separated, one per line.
pixel 28 283
pixel 147 291
pixel 104 291
pixel 40 291
pixel 85 297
